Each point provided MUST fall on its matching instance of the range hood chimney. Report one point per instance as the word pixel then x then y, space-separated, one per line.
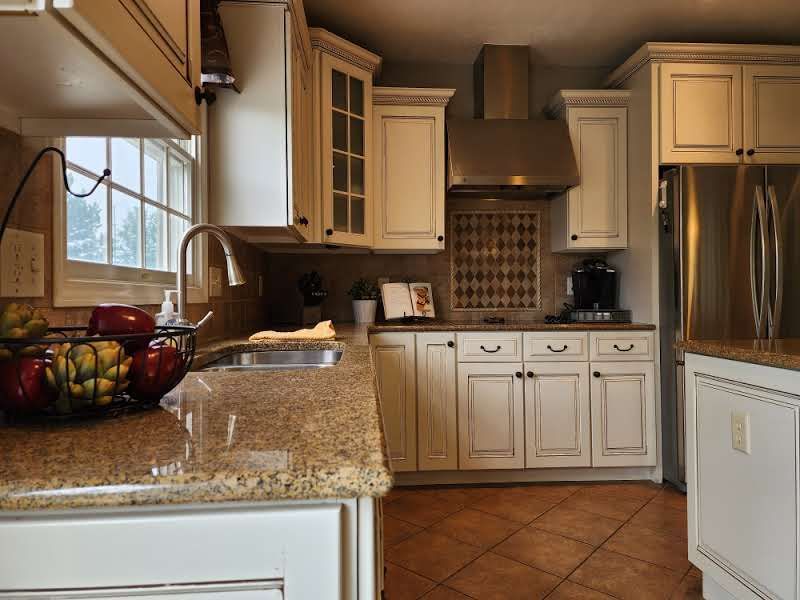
pixel 502 152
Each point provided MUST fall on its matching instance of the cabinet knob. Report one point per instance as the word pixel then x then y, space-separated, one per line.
pixel 529 374
pixel 518 374
pixel 574 237
pixel 329 232
pixel 450 344
pixel 596 374
pixel 739 151
pixel 440 238
pixel 750 152
pixel 201 94
pixel 302 221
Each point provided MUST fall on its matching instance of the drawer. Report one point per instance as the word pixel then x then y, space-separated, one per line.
pixel 489 347
pixel 621 345
pixel 542 346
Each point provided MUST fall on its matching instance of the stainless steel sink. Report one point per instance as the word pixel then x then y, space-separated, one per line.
pixel 271 360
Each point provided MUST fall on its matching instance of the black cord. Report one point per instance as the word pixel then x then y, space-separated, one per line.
pixel 15 197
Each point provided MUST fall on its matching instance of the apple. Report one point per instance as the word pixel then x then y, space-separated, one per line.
pixel 121 319
pixel 22 385
pixel 155 371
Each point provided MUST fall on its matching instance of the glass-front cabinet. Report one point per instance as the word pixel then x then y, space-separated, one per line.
pixel 344 94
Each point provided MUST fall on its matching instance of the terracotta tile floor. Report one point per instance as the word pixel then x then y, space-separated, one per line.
pixel 554 541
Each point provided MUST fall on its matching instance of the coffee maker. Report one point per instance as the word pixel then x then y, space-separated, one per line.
pixel 595 286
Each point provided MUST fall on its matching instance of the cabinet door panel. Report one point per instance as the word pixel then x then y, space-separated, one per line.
pixel 393 359
pixel 436 402
pixel 700 113
pixel 557 424
pixel 771 126
pixel 623 414
pixel 490 416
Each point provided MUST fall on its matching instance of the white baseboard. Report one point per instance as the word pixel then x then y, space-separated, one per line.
pixel 529 475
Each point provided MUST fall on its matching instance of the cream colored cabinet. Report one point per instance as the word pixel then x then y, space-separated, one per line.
pixel 623 414
pixel 409 183
pixel 436 402
pixel 770 103
pixel 394 363
pixel 557 422
pixel 301 139
pixel 343 137
pixel 491 429
pixel 594 214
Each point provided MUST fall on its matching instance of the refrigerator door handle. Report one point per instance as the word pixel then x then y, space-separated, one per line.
pixel 776 308
pixel 758 295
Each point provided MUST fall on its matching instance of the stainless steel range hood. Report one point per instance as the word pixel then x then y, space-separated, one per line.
pixel 502 152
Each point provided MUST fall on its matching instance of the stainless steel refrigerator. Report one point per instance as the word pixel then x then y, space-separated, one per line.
pixel 728 251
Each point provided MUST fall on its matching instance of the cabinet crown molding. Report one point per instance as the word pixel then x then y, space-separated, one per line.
pixel 406 96
pixel 702 53
pixel 565 98
pixel 330 43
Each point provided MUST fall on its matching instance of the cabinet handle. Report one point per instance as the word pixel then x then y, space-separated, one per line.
pixel 628 349
pixel 750 152
pixel 450 344
pixel 549 347
pixel 201 94
pixel 529 374
pixel 302 221
pixel 491 351
pixel 596 374
pixel 574 236
pixel 440 238
pixel 518 374
pixel 739 151
pixel 329 232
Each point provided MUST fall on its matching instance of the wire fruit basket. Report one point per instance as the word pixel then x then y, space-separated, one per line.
pixel 70 374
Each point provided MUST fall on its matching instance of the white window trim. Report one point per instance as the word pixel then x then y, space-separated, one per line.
pixel 72 289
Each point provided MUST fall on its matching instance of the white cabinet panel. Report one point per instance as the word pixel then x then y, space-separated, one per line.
pixel 623 414
pixel 436 401
pixel 557 423
pixel 771 126
pixel 489 347
pixel 490 416
pixel 621 345
pixel 556 346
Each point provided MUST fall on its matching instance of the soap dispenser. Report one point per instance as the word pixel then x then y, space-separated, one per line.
pixel 168 315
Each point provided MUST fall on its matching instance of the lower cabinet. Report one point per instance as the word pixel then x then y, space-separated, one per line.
pixel 491 430
pixel 437 441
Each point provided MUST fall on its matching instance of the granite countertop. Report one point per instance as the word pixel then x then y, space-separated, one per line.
pixel 781 353
pixel 509 325
pixel 219 436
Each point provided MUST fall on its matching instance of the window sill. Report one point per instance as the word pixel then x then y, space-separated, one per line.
pixel 75 292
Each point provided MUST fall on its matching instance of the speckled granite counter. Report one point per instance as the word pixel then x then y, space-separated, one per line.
pixel 784 354
pixel 436 325
pixel 219 436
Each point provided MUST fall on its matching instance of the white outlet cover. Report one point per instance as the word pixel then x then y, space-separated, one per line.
pixel 570 291
pixel 740 432
pixel 215 281
pixel 22 264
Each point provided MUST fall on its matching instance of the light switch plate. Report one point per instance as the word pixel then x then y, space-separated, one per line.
pixel 22 264
pixel 214 281
pixel 740 432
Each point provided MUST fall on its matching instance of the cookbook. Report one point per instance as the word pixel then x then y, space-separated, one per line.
pixel 401 300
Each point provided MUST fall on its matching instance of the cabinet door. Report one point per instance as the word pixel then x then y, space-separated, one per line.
pixel 436 402
pixel 623 414
pixel 598 207
pixel 557 425
pixel 701 113
pixel 393 359
pixel 300 141
pixel 409 177
pixel 346 128
pixel 771 126
pixel 490 416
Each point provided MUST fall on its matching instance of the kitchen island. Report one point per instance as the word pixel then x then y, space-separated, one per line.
pixel 743 477
pixel 240 483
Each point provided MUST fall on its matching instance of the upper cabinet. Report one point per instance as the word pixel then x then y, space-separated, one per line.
pixel 594 214
pixel 409 183
pixel 770 103
pixel 343 75
pixel 117 67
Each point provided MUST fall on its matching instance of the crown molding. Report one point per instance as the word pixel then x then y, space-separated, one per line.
pixel 406 96
pixel 330 43
pixel 654 52
pixel 587 98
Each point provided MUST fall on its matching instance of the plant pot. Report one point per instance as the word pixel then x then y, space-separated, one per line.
pixel 364 310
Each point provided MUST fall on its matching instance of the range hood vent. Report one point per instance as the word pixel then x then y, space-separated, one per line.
pixel 501 151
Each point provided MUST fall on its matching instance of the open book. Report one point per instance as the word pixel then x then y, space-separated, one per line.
pixel 407 300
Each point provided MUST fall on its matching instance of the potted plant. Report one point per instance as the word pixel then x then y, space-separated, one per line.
pixel 365 300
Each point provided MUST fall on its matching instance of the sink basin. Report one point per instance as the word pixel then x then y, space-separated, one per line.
pixel 271 360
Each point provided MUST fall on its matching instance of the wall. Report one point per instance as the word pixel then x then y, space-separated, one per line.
pixel 239 310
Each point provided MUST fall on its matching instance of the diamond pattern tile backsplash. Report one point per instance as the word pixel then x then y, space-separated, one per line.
pixel 495 260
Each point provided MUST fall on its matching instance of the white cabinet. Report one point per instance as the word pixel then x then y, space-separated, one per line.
pixel 500 346
pixel 436 402
pixel 409 184
pixel 623 414
pixel 621 345
pixel 770 102
pixel 491 426
pixel 557 423
pixel 260 139
pixel 556 346
pixel 594 214
pixel 395 371
pixel 343 137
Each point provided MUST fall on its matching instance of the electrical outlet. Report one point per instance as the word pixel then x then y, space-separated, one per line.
pixel 260 285
pixel 570 292
pixel 214 281
pixel 22 264
pixel 740 432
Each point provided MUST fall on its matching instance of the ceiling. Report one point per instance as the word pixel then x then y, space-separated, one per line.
pixel 569 33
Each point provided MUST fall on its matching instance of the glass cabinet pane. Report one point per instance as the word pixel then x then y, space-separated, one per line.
pixel 339 89
pixel 340 212
pixel 356 96
pixel 357 175
pixel 356 136
pixel 339 172
pixel 339 131
pixel 357 214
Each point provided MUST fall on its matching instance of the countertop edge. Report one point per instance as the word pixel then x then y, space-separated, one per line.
pixel 523 327
pixel 765 358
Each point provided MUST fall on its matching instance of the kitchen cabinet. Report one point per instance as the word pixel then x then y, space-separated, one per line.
pixel 260 139
pixel 594 214
pixel 557 422
pixel 436 402
pixel 393 358
pixel 770 125
pixel 623 414
pixel 409 183
pixel 120 67
pixel 343 137
pixel 491 425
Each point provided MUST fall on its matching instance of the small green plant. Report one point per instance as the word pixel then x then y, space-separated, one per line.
pixel 363 289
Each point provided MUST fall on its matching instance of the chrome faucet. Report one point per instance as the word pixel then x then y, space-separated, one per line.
pixel 235 275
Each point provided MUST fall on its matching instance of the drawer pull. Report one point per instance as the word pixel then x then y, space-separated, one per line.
pixel 549 347
pixel 628 349
pixel 491 351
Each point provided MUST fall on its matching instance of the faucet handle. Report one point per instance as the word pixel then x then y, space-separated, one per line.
pixel 205 319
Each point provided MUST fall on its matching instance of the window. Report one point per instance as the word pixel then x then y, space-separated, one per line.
pixel 127 231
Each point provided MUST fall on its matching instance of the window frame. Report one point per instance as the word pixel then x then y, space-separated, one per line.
pixel 78 283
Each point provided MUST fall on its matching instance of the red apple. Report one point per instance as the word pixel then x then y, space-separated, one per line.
pixel 155 370
pixel 22 385
pixel 121 319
